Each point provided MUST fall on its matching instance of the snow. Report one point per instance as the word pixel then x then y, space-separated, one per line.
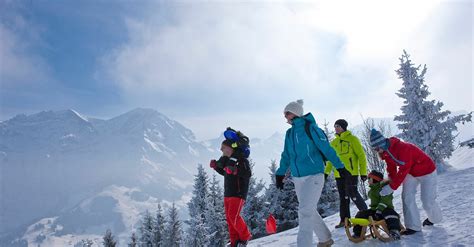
pixel 456 201
pixel 152 144
pixel 79 115
pixel 462 158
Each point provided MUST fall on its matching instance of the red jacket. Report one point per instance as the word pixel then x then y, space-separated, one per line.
pixel 417 162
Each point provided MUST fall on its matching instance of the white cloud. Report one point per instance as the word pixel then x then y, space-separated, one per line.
pixel 17 64
pixel 339 56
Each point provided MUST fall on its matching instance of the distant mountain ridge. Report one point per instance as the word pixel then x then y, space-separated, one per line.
pixel 53 161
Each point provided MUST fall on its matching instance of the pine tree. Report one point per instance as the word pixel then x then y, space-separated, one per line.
pixel 108 239
pixel 82 243
pixel 329 133
pixel 133 240
pixel 422 122
pixel 197 234
pixel 146 230
pixel 272 193
pixel 217 226
pixel 329 201
pixel 86 243
pixel 253 212
pixel 173 236
pixel 158 228
pixel 284 202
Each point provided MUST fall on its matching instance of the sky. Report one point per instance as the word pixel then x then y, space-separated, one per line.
pixel 214 64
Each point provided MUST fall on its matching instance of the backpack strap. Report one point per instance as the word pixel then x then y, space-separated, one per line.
pixel 308 132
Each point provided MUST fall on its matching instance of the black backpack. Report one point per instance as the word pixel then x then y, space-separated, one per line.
pixel 308 132
pixel 242 141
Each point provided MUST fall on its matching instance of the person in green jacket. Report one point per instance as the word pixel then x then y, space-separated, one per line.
pixel 381 207
pixel 350 152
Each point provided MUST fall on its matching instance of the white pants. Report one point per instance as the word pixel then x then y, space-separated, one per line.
pixel 308 190
pixel 428 184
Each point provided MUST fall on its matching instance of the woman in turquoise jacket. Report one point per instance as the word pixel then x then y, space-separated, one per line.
pixel 306 148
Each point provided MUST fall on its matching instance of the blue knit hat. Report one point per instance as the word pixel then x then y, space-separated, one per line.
pixel 377 140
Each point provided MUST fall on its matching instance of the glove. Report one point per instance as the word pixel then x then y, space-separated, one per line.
pixel 386 190
pixel 231 170
pixel 378 215
pixel 363 177
pixel 343 173
pixel 325 177
pixel 213 164
pixel 279 181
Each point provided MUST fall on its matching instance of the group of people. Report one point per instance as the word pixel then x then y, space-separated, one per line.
pixel 310 158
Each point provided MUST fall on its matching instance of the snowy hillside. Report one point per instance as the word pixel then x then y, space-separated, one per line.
pixel 456 200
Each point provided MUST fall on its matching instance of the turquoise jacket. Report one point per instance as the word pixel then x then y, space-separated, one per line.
pixel 301 154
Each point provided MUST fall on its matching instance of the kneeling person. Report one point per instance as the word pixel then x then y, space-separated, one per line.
pixel 381 207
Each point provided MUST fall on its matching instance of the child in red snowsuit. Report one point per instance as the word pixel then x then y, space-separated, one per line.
pixel 236 171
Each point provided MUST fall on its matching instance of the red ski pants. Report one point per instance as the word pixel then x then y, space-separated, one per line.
pixel 237 228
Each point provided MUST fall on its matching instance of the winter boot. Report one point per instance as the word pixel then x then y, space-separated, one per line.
pixel 409 231
pixel 355 235
pixel 326 244
pixel 427 222
pixel 395 234
pixel 242 243
pixel 341 224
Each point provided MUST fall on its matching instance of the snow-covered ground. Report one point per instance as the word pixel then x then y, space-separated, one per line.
pixel 456 198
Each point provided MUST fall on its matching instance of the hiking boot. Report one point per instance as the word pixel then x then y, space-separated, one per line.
pixel 409 231
pixel 355 235
pixel 427 222
pixel 395 234
pixel 341 224
pixel 242 243
pixel 326 244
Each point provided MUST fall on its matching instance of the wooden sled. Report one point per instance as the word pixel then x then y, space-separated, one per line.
pixel 377 229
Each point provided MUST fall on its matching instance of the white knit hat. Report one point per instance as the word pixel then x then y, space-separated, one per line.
pixel 295 107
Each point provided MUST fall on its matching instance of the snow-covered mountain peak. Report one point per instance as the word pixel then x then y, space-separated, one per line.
pixel 44 116
pixel 149 122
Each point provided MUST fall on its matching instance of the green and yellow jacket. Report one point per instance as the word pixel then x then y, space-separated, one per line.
pixel 378 202
pixel 350 152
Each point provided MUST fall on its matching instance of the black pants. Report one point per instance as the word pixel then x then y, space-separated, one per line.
pixel 347 189
pixel 391 218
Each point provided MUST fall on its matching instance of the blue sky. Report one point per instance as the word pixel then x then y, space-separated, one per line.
pixel 215 64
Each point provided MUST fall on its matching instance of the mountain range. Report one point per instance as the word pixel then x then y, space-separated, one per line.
pixel 82 172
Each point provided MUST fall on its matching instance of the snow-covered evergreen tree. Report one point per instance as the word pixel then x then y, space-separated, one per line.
pixel 108 239
pixel 146 230
pixel 272 192
pixel 215 215
pixel 173 236
pixel 422 122
pixel 253 211
pixel 158 228
pixel 286 214
pixel 328 131
pixel 133 240
pixel 197 234
pixel 329 201
pixel 83 243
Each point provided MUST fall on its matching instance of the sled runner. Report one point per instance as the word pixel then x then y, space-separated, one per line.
pixel 377 229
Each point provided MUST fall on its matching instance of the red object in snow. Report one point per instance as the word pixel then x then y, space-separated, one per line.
pixel 271 224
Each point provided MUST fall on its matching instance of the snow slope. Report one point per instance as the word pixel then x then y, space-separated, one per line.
pixel 457 203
